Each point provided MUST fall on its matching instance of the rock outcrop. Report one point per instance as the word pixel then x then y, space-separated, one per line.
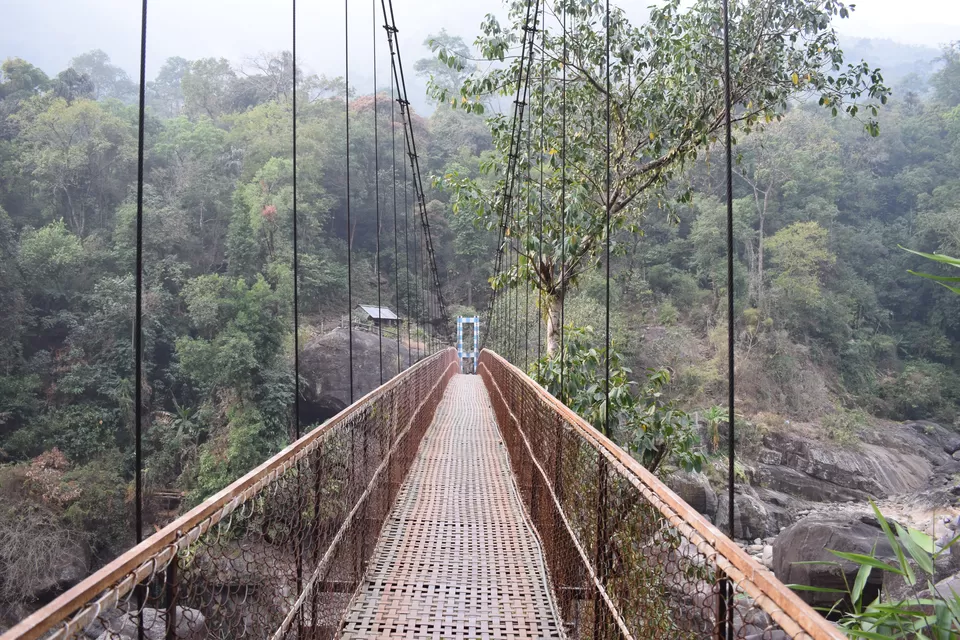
pixel 325 370
pixel 812 539
pixel 695 490
pixel 824 472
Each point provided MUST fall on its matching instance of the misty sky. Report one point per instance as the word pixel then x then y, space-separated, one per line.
pixel 49 33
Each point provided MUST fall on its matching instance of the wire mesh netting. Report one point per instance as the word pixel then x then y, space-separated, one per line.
pixel 276 554
pixel 627 557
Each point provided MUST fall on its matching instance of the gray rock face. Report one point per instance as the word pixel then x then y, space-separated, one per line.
pixel 824 472
pixel 756 513
pixel 812 538
pixel 695 490
pixel 751 519
pixel 325 370
pixel 946 439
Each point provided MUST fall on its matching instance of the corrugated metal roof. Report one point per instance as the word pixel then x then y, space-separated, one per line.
pixel 379 313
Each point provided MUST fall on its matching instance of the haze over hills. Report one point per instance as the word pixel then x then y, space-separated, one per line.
pixel 896 60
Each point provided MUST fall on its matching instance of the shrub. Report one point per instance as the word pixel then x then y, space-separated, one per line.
pixel 843 425
pixel 922 390
pixel 667 314
pixel 641 420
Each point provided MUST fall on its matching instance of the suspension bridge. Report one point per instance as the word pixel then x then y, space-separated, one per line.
pixel 439 505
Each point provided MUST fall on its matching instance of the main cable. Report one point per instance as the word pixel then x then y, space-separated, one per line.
pixel 397 66
pixel 506 212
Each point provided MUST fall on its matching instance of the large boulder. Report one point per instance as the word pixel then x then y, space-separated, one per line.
pixel 325 370
pixel 695 490
pixel 752 517
pixel 119 625
pixel 932 433
pixel 812 539
pixel 820 471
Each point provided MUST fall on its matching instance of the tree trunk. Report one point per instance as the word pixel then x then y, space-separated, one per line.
pixel 469 294
pixel 763 215
pixel 554 305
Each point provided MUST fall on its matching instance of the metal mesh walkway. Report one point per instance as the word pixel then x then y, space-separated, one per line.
pixel 457 558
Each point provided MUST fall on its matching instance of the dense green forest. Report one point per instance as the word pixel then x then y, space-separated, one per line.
pixel 830 326
pixel 217 271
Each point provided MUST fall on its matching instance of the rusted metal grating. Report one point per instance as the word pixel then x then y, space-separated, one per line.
pixel 457 557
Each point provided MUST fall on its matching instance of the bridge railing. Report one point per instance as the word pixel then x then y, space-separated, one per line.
pixel 626 556
pixel 280 551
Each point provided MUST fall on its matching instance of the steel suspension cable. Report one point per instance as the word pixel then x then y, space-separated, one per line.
pixel 138 316
pixel 563 202
pixel 296 251
pixel 138 313
pixel 421 292
pixel 727 586
pixel 406 244
pixel 606 386
pixel 346 35
pixel 396 246
pixel 376 182
pixel 543 113
pixel 728 142
pixel 526 217
pixel 296 282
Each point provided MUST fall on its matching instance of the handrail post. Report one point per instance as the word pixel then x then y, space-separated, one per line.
pixel 170 587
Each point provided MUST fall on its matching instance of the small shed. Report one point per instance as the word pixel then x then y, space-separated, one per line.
pixel 380 316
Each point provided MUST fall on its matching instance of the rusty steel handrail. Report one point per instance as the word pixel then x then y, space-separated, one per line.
pixel 627 557
pixel 278 550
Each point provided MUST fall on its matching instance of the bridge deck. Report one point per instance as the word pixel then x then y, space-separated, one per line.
pixel 457 557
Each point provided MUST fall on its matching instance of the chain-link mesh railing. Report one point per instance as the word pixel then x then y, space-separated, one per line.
pixel 626 556
pixel 278 553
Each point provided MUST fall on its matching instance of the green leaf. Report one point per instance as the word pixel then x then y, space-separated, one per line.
pixel 907 571
pixel 858 633
pixel 921 557
pixel 923 540
pixel 862 574
pixel 937 257
pixel 933 277
pixel 806 587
